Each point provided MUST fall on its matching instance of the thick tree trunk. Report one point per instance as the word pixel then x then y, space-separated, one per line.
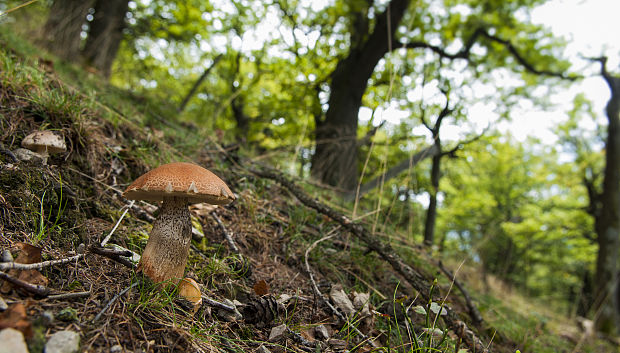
pixel 431 212
pixel 607 309
pixel 335 158
pixel 105 35
pixel 61 32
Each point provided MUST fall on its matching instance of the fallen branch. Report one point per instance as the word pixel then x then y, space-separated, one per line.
pixel 216 304
pixel 35 289
pixel 418 282
pixel 474 313
pixel 115 255
pixel 37 266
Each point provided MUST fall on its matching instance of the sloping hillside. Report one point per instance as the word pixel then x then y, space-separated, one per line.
pixel 284 253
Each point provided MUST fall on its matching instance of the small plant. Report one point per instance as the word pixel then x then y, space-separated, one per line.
pixel 43 229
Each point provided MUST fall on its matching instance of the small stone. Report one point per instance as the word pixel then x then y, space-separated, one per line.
pixel 6 256
pixel 28 156
pixel 277 333
pixel 67 314
pixel 321 332
pixel 47 318
pixel 117 348
pixel 12 341
pixel 63 342
pixel 263 349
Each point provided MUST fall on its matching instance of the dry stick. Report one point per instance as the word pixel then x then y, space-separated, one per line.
pixel 107 306
pixel 37 266
pixel 116 255
pixel 29 287
pixel 107 238
pixel 318 293
pixel 231 243
pixel 71 295
pixel 384 250
pixel 473 310
pixel 216 304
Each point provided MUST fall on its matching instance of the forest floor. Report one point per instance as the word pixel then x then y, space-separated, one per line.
pixel 257 295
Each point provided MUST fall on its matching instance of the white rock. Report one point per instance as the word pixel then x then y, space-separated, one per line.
pixel 321 332
pixel 277 333
pixel 12 341
pixel 63 342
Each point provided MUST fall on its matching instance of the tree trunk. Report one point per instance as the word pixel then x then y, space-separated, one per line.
pixel 606 306
pixel 105 35
pixel 431 212
pixel 197 84
pixel 335 158
pixel 61 32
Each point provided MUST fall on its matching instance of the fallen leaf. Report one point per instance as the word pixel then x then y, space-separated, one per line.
pixel 28 254
pixel 341 300
pixel 15 317
pixel 261 288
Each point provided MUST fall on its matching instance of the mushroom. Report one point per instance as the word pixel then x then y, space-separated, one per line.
pixel 44 143
pixel 177 185
pixel 189 290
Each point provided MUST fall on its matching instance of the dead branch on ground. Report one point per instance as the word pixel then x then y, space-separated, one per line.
pixel 386 252
pixel 474 313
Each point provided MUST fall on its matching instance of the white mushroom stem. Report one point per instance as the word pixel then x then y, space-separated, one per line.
pixel 42 151
pixel 166 252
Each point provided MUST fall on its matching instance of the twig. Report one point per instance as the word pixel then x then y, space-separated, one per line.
pixel 107 306
pixel 70 295
pixel 37 266
pixel 217 304
pixel 29 287
pixel 416 280
pixel 231 243
pixel 107 238
pixel 473 310
pixel 9 154
pixel 308 346
pixel 115 255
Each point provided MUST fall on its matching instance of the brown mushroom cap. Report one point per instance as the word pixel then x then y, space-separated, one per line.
pixel 46 141
pixel 184 180
pixel 189 290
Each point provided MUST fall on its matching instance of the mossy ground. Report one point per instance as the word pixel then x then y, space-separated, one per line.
pixel 113 138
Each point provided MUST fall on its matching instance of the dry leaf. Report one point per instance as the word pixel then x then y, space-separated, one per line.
pixel 15 317
pixel 28 254
pixel 341 300
pixel 261 288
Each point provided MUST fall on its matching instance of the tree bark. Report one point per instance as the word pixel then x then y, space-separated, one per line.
pixel 61 32
pixel 335 158
pixel 431 212
pixel 105 35
pixel 607 309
